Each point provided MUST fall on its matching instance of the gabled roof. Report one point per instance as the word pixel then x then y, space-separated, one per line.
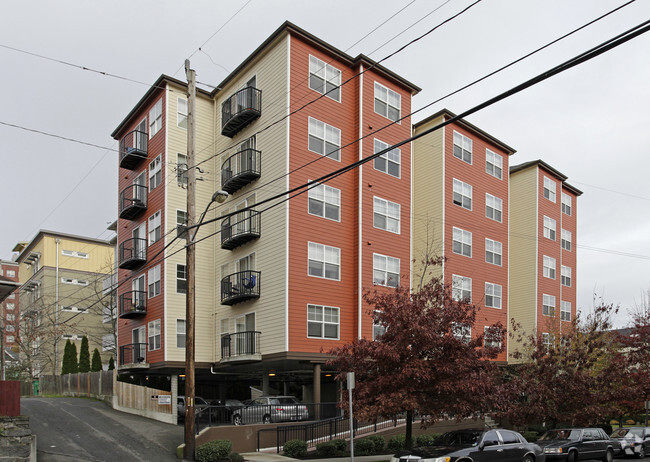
pixel 552 171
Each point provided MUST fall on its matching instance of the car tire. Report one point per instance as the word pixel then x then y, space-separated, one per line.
pixel 236 420
pixel 266 419
pixel 609 456
pixel 572 457
pixel 527 458
pixel 641 454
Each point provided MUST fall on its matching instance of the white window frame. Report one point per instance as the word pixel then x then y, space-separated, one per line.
pixel 549 265
pixel 550 225
pixel 567 204
pixel 78 282
pixel 10 273
pixel 565 275
pixel 493 295
pixel 155 228
pixel 155 173
pixel 461 288
pixel 153 279
pixel 108 342
pixel 493 208
pixel 181 333
pixel 329 75
pixel 181 117
pixel 461 242
pixel 154 335
pixel 493 249
pixel 325 134
pixel 390 99
pixel 566 239
pixel 74 253
pixel 548 341
pixel 10 306
pixel 385 270
pixel 462 332
pixel 489 345
pixel 565 311
pixel 377 329
pixel 463 191
pixel 74 309
pixel 327 198
pixel 389 212
pixel 493 164
pixel 178 278
pixel 463 147
pixel 385 161
pixel 549 189
pixel 327 257
pixel 155 118
pixel 323 316
pixel 548 305
pixel 181 169
pixel 181 220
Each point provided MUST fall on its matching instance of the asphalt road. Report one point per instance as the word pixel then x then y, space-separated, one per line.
pixel 75 429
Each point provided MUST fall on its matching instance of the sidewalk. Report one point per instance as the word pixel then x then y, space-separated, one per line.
pixel 270 457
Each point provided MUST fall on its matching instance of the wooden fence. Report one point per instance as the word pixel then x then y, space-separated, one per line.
pixel 144 401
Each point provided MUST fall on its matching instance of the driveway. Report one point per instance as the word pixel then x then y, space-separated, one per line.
pixel 81 429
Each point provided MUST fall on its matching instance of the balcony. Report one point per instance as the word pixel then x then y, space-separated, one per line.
pixel 133 253
pixel 240 228
pixel 133 149
pixel 133 304
pixel 133 201
pixel 133 356
pixel 241 347
pixel 239 110
pixel 239 287
pixel 240 169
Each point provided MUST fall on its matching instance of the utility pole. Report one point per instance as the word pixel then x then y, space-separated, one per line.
pixel 190 250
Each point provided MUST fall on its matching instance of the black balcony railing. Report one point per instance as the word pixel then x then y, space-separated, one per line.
pixel 133 201
pixel 133 149
pixel 240 169
pixel 132 253
pixel 133 304
pixel 241 346
pixel 239 229
pixel 240 109
pixel 239 287
pixel 133 353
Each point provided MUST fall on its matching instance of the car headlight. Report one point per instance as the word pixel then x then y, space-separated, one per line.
pixel 552 450
pixel 436 459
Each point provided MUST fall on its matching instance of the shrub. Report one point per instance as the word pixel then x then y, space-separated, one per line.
pixel 295 449
pixel 364 447
pixel 236 457
pixel 397 443
pixel 378 443
pixel 213 451
pixel 341 444
pixel 425 440
pixel 531 437
pixel 326 449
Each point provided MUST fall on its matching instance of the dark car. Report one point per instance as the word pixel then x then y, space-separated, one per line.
pixel 571 444
pixel 475 445
pixel 199 405
pixel 634 441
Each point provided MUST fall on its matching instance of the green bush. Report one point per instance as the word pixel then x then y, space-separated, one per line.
pixel 531 437
pixel 214 451
pixel 341 444
pixel 378 443
pixel 364 447
pixel 295 449
pixel 397 443
pixel 326 449
pixel 236 457
pixel 426 440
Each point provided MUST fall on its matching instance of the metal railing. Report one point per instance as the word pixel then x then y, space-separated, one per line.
pixel 133 199
pixel 240 228
pixel 133 353
pixel 240 109
pixel 133 148
pixel 245 343
pixel 132 252
pixel 240 169
pixel 133 304
pixel 240 286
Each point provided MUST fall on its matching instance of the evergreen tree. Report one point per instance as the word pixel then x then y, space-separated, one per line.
pixel 111 364
pixel 96 364
pixel 65 364
pixel 84 355
pixel 74 365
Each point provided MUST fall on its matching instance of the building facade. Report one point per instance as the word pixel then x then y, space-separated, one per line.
pixel 10 305
pixel 61 295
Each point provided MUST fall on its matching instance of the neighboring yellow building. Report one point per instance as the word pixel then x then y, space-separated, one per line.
pixel 62 298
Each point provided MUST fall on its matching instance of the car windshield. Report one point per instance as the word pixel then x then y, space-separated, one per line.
pixel 200 401
pixel 572 435
pixel 630 433
pixel 287 401
pixel 458 438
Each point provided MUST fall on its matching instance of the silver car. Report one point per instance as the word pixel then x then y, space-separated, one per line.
pixel 267 409
pixel 635 441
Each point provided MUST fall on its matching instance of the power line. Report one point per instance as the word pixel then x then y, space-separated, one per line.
pixel 72 140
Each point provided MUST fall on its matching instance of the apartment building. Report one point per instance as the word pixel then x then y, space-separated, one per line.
pixel 460 212
pixel 10 304
pixel 543 263
pixel 61 297
pixel 277 286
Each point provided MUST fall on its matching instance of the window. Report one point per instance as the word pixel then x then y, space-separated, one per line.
pixel 74 253
pixel 462 147
pixel 549 267
pixel 385 270
pixel 548 340
pixel 493 207
pixel 154 281
pixel 462 194
pixel 181 279
pixel 155 173
pixel 462 332
pixel 10 328
pixel 324 261
pixel 154 335
pixel 11 339
pixel 155 118
pixel 462 242
pixel 565 311
pixel 492 295
pixel 10 306
pixel 71 337
pixel 378 329
pixel 74 309
pixel 109 312
pixel 154 227
pixel 548 305
pixel 565 272
pixel 10 273
pixel 181 116
pixel 324 78
pixel 566 204
pixel 322 322
pixel 325 201
pixel 566 240
pixel 492 338
pixel 181 222
pixel 79 282
pixel 11 296
pixel 388 162
pixel 493 252
pixel 180 333
pixel 461 288
pixel 386 215
pixel 493 164
pixel 108 342
pixel 387 102
pixel 549 228
pixel 549 189
pixel 324 139
pixel 12 317
pixel 181 169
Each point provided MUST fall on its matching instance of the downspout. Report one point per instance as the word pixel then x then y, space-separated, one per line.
pixel 56 312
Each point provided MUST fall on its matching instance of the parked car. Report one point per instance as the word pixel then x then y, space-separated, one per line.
pixel 475 445
pixel 267 409
pixel 199 404
pixel 634 441
pixel 572 444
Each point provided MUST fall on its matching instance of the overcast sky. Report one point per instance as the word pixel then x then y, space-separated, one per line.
pixel 591 123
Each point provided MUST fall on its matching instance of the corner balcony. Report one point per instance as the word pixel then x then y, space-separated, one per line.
pixel 132 253
pixel 133 356
pixel 133 201
pixel 240 169
pixel 240 229
pixel 133 304
pixel 239 287
pixel 241 347
pixel 133 149
pixel 239 110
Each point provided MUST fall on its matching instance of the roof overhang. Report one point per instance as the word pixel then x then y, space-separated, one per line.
pixel 7 286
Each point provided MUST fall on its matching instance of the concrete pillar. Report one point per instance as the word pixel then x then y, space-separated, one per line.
pixel 286 388
pixel 174 387
pixel 317 391
pixel 265 383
